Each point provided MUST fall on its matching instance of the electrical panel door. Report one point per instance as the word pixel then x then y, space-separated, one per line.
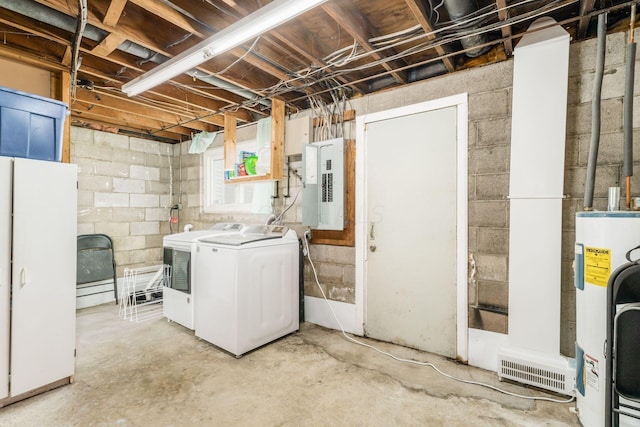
pixel 323 185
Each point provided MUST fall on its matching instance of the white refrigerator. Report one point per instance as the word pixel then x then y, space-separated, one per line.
pixel 38 232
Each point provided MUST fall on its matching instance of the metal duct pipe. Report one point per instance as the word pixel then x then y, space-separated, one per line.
pixel 381 83
pixel 595 113
pixel 628 109
pixel 64 22
pixel 52 17
pixel 458 11
pixel 430 70
pixel 229 87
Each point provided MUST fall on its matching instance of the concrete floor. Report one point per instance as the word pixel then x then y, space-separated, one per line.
pixel 156 373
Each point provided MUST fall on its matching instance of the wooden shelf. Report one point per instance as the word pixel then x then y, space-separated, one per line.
pixel 277 145
pixel 247 178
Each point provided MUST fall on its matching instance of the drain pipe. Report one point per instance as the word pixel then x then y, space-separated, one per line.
pixel 628 109
pixel 60 20
pixel 459 10
pixel 595 114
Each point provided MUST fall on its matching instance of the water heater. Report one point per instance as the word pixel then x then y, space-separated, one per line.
pixel 602 241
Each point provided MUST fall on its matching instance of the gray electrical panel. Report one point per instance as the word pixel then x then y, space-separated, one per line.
pixel 323 185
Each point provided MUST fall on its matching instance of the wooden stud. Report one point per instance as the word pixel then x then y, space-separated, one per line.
pixel 277 137
pixel 65 96
pixel 229 140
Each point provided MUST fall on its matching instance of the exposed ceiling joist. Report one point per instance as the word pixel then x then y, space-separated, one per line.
pixel 107 45
pixel 113 12
pixel 419 11
pixel 586 7
pixel 503 14
pixel 358 27
pixel 396 42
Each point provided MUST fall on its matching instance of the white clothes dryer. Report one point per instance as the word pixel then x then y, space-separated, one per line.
pixel 178 291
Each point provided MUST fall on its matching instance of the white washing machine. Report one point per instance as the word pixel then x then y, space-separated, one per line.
pixel 247 286
pixel 178 292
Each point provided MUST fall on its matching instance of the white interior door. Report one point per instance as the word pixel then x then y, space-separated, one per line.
pixel 5 270
pixel 411 216
pixel 44 273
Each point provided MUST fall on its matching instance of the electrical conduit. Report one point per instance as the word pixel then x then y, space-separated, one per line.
pixel 595 114
pixel 628 109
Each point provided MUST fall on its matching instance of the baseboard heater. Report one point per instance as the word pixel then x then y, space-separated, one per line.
pixel 557 374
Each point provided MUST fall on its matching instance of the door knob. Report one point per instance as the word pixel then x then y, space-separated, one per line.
pixel 373 248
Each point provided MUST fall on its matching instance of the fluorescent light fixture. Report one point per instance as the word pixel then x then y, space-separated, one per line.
pixel 264 19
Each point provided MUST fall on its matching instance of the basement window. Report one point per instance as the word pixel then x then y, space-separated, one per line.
pixel 219 197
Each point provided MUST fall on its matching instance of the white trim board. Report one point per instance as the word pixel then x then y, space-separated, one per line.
pixel 318 311
pixel 484 347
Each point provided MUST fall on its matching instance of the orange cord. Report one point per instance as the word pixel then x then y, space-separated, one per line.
pixel 632 21
pixel 628 192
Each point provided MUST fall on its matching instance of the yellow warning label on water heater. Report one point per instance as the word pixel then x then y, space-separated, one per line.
pixel 597 265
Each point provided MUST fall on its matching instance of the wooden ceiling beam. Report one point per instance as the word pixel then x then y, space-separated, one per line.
pixel 185 113
pixel 182 88
pixel 31 59
pixel 302 52
pixel 503 15
pixel 176 18
pixel 107 45
pixel 114 12
pixel 109 115
pixel 419 12
pixel 586 7
pixel 66 58
pixel 358 27
pixel 102 51
pixel 171 15
pixel 62 6
pixel 125 32
pixel 277 39
pixel 200 112
pixel 117 103
pixel 70 8
pixel 123 60
pixel 104 124
pixel 19 23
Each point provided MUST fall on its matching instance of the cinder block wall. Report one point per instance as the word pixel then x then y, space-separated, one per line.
pixel 335 264
pixel 111 200
pixel 124 191
pixel 188 187
pixel 609 170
